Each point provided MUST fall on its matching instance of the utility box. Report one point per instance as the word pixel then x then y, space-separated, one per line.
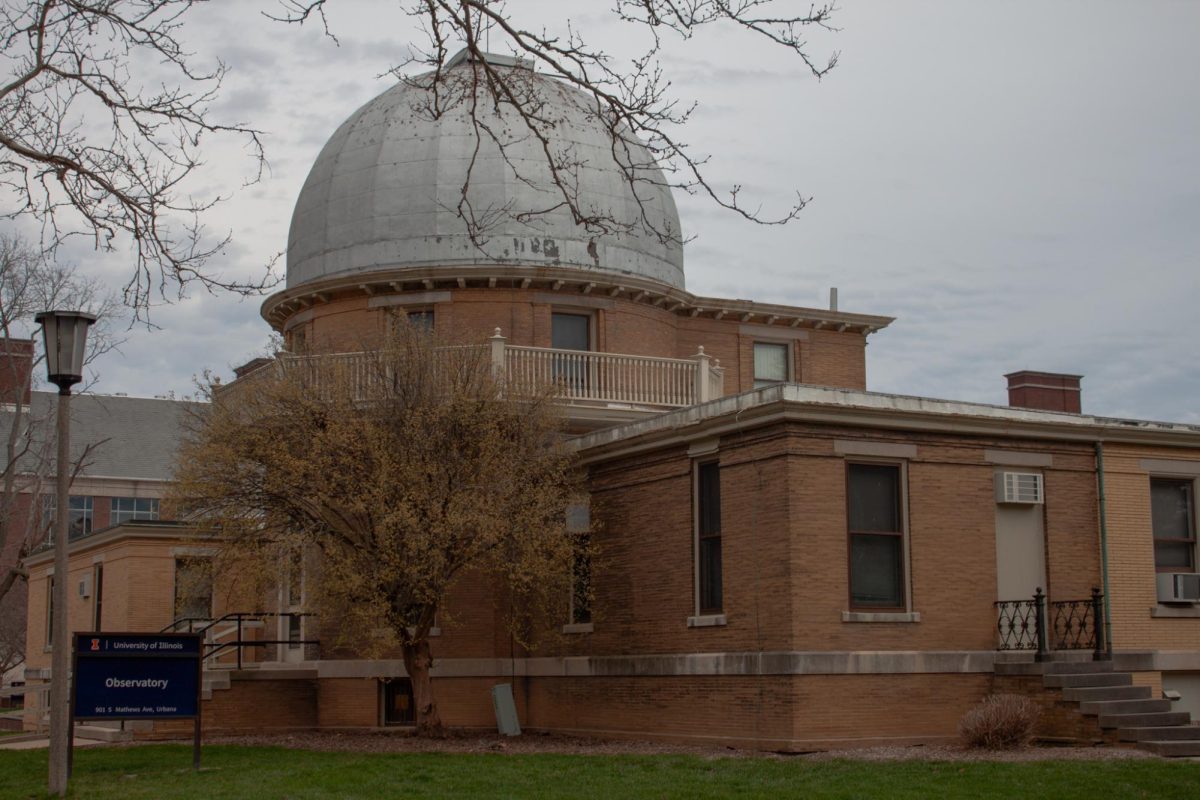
pixel 506 710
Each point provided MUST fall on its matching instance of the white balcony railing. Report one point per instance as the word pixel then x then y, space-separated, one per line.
pixel 581 376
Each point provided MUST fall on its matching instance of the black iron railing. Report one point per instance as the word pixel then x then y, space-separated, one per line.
pixel 215 633
pixel 1061 625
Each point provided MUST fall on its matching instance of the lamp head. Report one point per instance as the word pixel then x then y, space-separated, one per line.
pixel 64 335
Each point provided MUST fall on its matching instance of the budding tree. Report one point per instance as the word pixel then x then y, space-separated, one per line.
pixel 402 470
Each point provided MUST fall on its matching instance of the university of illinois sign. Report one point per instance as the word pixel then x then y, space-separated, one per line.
pixel 137 675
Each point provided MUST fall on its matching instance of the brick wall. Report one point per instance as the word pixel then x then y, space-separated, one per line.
pixel 1131 552
pixel 784 544
pixel 823 357
pixel 773 712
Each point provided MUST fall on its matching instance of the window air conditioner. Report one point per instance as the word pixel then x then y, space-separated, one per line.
pixel 1019 487
pixel 1178 587
pixel 85 587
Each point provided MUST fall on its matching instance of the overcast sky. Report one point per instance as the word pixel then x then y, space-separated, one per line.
pixel 1017 183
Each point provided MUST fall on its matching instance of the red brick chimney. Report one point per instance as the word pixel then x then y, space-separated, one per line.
pixel 1045 391
pixel 16 370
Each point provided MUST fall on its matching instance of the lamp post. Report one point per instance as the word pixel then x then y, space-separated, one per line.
pixel 64 335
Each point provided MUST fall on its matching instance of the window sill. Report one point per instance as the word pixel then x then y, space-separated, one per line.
pixel 1175 611
pixel 578 627
pixel 881 616
pixel 707 621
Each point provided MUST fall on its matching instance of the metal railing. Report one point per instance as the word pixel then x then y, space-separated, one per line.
pixel 578 375
pixel 1043 627
pixel 218 632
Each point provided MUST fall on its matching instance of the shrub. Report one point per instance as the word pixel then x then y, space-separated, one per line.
pixel 1000 721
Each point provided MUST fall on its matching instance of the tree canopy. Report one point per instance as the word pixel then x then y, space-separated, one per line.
pixel 401 470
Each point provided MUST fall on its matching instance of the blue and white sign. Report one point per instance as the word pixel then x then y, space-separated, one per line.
pixel 137 675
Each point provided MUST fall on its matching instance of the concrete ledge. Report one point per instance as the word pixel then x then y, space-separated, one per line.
pixel 1175 612
pixel 578 627
pixel 886 662
pixel 707 621
pixel 878 616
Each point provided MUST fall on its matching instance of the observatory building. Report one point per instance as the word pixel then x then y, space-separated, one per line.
pixel 788 561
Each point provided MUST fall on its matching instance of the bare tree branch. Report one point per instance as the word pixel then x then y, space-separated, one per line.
pixel 630 101
pixel 29 282
pixel 96 142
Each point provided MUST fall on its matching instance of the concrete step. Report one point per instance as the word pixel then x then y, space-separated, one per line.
pixel 101 734
pixel 1175 749
pixel 1092 693
pixel 1075 667
pixel 1152 720
pixel 1099 707
pixel 1083 679
pixel 1159 734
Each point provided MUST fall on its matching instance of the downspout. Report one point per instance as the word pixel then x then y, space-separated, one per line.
pixel 1104 548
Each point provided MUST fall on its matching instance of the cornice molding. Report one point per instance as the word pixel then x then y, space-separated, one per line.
pixel 567 282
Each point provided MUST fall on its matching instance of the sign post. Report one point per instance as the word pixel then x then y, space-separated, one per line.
pixel 138 676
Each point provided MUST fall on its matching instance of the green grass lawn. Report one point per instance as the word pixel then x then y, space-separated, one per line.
pixel 164 771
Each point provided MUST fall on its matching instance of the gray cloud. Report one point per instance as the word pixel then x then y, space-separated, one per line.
pixel 1019 195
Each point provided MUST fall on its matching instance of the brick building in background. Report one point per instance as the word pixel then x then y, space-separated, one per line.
pixel 786 560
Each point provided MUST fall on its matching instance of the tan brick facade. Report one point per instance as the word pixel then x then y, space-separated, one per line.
pixel 822 357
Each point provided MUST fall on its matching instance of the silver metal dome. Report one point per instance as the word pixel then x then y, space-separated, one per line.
pixel 383 194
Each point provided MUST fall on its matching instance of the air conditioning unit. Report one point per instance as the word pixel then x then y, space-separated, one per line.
pixel 1178 587
pixel 1019 487
pixel 85 587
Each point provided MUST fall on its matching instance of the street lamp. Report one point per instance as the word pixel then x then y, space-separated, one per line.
pixel 64 336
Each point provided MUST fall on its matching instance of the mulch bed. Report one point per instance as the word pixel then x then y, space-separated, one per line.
pixel 531 743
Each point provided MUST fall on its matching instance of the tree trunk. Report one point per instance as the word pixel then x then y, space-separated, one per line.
pixel 418 660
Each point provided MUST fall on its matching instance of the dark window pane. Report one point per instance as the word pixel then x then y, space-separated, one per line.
pixel 294 637
pixel 708 529
pixel 1173 522
pixel 570 331
pixel 1171 508
pixel 874 497
pixel 710 574
pixel 421 320
pixel 1176 555
pixel 876 571
pixel 581 583
pixel 710 499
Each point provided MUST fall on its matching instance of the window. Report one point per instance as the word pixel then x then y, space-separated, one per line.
pixel 97 608
pixel 421 319
pixel 1173 518
pixel 579 525
pixel 50 612
pixel 193 588
pixel 708 538
pixel 298 337
pixel 79 514
pixel 770 363
pixel 875 516
pixel 570 332
pixel 124 509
